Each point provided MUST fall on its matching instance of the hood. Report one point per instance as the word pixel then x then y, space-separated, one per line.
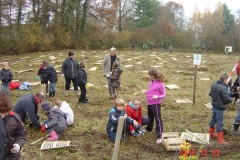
pixel 131 104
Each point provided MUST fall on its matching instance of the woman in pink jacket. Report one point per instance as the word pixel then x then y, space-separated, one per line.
pixel 155 94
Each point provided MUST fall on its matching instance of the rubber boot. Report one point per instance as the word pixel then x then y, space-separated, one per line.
pixel 47 95
pixel 111 92
pixel 211 132
pixel 53 93
pixel 236 126
pixel 53 135
pixel 50 94
pixel 221 139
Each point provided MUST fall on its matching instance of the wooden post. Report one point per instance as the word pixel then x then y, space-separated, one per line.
pixel 118 137
pixel 194 88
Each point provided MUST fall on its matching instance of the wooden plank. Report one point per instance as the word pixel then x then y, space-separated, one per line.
pixel 172 144
pixel 27 70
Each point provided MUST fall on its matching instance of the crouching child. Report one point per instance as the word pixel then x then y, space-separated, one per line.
pixel 14 131
pixel 56 123
pixel 114 114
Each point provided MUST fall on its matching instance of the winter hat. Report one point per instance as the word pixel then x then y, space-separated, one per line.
pixel 46 105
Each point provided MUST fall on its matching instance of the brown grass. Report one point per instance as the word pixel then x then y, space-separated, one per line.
pixel 90 119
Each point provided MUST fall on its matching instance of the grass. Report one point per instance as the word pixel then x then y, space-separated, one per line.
pixel 90 119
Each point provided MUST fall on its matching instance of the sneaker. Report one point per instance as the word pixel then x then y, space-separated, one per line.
pixel 135 134
pixel 145 131
pixel 85 101
pixel 159 141
pixel 80 103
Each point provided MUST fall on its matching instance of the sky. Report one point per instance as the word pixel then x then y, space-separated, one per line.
pixel 190 5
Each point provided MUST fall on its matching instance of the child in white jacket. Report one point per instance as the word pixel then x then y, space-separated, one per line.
pixel 66 109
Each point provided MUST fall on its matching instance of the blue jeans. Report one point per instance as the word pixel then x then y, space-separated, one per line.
pixel 108 83
pixel 52 86
pixel 5 84
pixel 217 118
pixel 48 129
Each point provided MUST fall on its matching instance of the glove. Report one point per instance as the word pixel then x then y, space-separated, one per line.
pixel 107 75
pixel 154 97
pixel 16 148
pixel 37 77
pixel 141 132
pixel 43 128
pixel 135 134
pixel 62 75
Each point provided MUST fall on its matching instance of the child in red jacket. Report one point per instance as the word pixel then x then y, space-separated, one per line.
pixel 134 111
pixel 14 131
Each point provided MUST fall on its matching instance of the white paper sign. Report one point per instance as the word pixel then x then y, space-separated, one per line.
pixel 197 59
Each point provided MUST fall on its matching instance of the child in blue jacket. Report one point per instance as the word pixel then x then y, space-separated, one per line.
pixel 6 76
pixel 114 114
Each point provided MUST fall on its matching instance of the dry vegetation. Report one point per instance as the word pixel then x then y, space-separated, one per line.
pixel 91 119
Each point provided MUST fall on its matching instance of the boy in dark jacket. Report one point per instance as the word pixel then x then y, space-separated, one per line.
pixel 40 73
pixel 15 132
pixel 220 99
pixel 82 82
pixel 56 123
pixel 114 114
pixel 6 76
pixel 50 74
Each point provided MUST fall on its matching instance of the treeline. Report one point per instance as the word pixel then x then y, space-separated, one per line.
pixel 42 25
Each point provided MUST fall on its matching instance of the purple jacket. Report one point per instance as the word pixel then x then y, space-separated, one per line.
pixel 156 87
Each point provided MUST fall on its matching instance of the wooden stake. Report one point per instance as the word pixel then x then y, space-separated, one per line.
pixel 39 139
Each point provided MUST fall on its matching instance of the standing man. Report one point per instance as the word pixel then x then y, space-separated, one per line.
pixel 162 47
pixel 107 65
pixel 220 99
pixel 27 108
pixel 70 69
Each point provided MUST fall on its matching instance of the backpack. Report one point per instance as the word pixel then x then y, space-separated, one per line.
pixel 25 86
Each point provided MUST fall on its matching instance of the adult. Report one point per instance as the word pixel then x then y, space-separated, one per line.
pixel 107 65
pixel 162 47
pixel 1 139
pixel 27 108
pixel 220 99
pixel 70 69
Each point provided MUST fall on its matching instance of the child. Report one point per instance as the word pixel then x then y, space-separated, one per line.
pixel 232 92
pixel 134 111
pixel 66 109
pixel 220 99
pixel 50 74
pixel 41 71
pixel 6 76
pixel 155 94
pixel 15 132
pixel 115 78
pixel 56 123
pixel 114 114
pixel 82 81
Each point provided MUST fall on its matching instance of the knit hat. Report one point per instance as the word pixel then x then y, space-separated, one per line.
pixel 46 105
